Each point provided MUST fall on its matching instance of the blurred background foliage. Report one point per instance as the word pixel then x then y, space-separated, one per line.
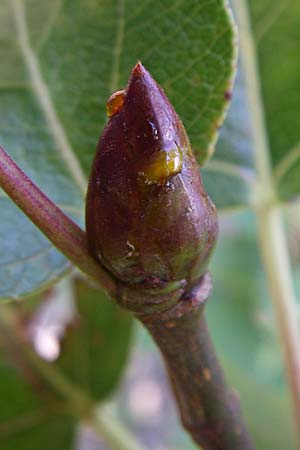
pixel 71 325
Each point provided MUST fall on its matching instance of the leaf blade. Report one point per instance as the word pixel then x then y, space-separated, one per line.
pixel 95 348
pixel 278 29
pixel 55 86
pixel 31 415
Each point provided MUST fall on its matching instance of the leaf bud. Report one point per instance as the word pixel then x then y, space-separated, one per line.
pixel 149 220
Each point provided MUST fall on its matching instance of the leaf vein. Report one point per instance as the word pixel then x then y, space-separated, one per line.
pixel 117 51
pixel 271 16
pixel 49 27
pixel 26 259
pixel 286 163
pixel 230 169
pixel 43 95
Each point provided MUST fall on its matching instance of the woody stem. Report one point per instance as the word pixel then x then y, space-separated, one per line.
pixel 209 409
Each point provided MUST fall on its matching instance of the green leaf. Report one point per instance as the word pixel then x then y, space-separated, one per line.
pixel 266 410
pixel 229 176
pixel 93 339
pixel 113 37
pixel 27 259
pixel 244 332
pixel 62 61
pixel 30 415
pixel 277 33
pixel 96 344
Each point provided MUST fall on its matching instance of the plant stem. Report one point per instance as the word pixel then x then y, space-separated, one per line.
pixel 209 409
pixel 60 229
pixel 272 237
pixel 104 424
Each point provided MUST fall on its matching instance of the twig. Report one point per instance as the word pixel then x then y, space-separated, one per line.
pixel 209 409
pixel 60 229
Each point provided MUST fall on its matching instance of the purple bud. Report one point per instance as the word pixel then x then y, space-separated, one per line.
pixel 149 220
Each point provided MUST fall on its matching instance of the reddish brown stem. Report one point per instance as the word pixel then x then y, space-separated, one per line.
pixel 59 229
pixel 209 409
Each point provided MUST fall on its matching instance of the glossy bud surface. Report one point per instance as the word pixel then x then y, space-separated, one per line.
pixel 149 220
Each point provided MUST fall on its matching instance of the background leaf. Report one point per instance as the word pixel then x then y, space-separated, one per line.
pixel 229 176
pixel 96 344
pixel 277 33
pixel 31 415
pixel 244 331
pixel 27 259
pixel 93 342
pixel 62 61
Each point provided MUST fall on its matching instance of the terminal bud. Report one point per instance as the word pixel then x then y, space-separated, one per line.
pixel 149 220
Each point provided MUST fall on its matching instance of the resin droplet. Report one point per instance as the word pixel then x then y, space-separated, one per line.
pixel 165 165
pixel 115 103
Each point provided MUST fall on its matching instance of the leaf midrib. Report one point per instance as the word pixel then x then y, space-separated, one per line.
pixel 43 96
pixel 286 163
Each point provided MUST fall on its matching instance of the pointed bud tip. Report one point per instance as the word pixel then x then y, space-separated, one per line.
pixel 138 70
pixel 143 89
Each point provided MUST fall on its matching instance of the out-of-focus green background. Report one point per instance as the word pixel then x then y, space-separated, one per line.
pixel 82 50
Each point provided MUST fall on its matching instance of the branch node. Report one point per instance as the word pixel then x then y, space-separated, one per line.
pixel 165 305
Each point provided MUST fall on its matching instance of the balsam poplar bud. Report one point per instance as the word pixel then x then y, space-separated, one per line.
pixel 149 220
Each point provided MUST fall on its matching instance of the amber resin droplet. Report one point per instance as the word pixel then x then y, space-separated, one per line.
pixel 164 166
pixel 115 103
